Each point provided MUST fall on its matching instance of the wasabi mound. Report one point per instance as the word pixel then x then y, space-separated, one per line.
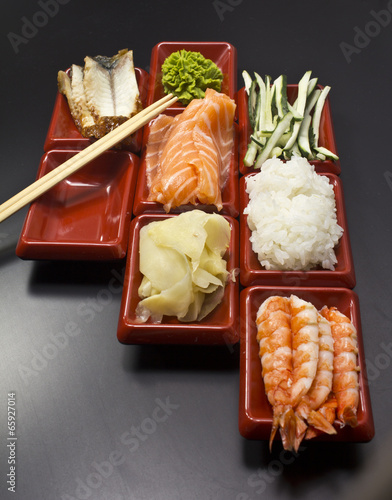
pixel 188 74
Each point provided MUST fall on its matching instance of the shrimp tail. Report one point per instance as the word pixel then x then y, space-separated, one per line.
pixel 328 410
pixel 300 431
pixel 275 427
pixel 350 417
pixel 287 429
pixel 318 421
pixel 284 420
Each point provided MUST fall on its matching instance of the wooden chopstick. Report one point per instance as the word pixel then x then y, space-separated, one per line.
pixel 67 168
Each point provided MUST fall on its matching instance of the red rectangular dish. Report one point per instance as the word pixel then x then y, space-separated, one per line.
pixel 230 191
pixel 326 139
pixel 252 273
pixel 255 413
pixel 220 327
pixel 223 54
pixel 63 133
pixel 87 215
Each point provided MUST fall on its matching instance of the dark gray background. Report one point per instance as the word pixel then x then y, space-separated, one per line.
pixel 78 409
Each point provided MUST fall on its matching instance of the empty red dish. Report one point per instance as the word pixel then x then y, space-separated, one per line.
pixel 255 412
pixel 221 326
pixel 87 215
pixel 63 133
pixel 223 54
pixel 326 139
pixel 230 192
pixel 252 273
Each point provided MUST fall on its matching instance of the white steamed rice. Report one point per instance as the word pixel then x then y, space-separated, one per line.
pixel 292 216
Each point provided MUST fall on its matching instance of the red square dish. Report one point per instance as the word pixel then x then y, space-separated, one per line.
pixel 223 54
pixel 327 135
pixel 87 215
pixel 255 412
pixel 230 191
pixel 252 273
pixel 63 133
pixel 220 327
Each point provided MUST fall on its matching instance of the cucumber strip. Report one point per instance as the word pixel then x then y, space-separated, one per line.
pixel 293 137
pixel 269 94
pixel 247 80
pixel 302 93
pixel 300 107
pixel 326 152
pixel 320 156
pixel 297 116
pixel 260 112
pixel 294 151
pixel 252 101
pixel 281 95
pixel 303 134
pixel 277 151
pixel 272 141
pixel 312 85
pixel 317 115
pixel 312 100
pixel 303 137
pixel 257 141
pixel 250 155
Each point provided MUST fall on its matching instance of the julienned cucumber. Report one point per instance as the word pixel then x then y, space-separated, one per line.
pixel 282 129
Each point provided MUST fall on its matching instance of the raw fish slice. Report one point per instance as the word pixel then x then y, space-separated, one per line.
pixel 215 126
pixel 175 183
pixel 195 154
pixel 159 132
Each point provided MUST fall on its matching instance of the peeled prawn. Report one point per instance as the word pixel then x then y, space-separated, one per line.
pixel 274 337
pixel 309 408
pixel 289 347
pixel 345 379
pixel 305 333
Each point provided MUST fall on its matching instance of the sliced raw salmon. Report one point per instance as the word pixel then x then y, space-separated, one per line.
pixel 188 156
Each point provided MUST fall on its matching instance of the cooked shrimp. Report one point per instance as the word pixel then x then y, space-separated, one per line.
pixel 308 407
pixel 305 341
pixel 274 337
pixel 345 378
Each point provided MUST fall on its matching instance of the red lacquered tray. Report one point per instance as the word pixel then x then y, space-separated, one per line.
pixel 87 215
pixel 255 412
pixel 221 326
pixel 252 273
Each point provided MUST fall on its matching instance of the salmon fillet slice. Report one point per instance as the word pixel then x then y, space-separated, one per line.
pixel 191 163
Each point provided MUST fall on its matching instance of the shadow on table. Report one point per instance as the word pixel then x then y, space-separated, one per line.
pixel 300 471
pixel 181 357
pixel 59 274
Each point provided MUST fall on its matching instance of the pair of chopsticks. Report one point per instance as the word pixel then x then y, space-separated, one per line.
pixel 52 178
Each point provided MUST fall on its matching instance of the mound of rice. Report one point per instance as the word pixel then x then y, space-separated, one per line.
pixel 292 216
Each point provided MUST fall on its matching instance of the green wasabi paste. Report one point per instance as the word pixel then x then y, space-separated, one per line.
pixel 188 74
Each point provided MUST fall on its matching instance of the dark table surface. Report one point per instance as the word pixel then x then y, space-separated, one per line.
pixel 84 412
